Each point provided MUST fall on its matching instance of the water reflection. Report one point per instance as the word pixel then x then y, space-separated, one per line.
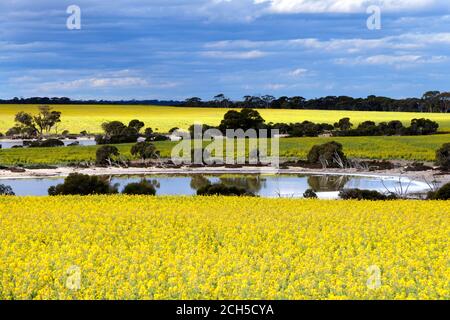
pixel 328 183
pixel 261 185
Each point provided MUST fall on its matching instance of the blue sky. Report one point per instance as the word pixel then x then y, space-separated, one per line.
pixel 174 49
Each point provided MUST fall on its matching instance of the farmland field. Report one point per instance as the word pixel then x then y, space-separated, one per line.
pixel 118 247
pixel 421 148
pixel 77 118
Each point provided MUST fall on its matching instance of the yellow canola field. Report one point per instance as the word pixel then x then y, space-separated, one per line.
pixel 77 118
pixel 118 247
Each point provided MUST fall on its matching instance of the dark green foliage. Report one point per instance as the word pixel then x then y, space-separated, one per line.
pixel 105 154
pixel 443 156
pixel 148 132
pixel 343 124
pixel 357 194
pixel 327 154
pixel 80 184
pixel 144 187
pixel 145 150
pixel 310 194
pixel 116 132
pixel 49 143
pixel 442 194
pixel 157 137
pixel 222 190
pixel 395 127
pixel 136 124
pixel 244 119
pixel 307 129
pixel 423 127
pixel 6 190
pixel 29 125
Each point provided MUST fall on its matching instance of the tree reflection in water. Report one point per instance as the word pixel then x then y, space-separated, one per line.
pixel 252 184
pixel 327 183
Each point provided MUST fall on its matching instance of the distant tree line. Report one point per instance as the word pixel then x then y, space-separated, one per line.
pixel 65 100
pixel 431 101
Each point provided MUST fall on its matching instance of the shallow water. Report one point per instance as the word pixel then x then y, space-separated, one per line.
pixel 326 186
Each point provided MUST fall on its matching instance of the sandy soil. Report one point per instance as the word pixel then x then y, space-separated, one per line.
pixel 423 176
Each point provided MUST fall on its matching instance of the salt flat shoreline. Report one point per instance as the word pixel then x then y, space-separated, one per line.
pixel 61 172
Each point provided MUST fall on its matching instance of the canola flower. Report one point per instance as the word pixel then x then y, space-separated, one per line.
pixel 120 247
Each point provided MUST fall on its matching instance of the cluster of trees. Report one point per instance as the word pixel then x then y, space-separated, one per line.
pixel 108 155
pixel 116 132
pixel 31 126
pixel 391 128
pixel 251 119
pixel 303 129
pixel 431 101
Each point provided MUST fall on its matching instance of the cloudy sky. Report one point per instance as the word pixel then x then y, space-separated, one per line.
pixel 174 49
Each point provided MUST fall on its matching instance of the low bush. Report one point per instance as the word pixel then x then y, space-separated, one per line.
pixel 105 155
pixel 442 194
pixel 443 156
pixel 49 143
pixel 157 137
pixel 328 154
pixel 310 194
pixel 6 190
pixel 357 194
pixel 145 150
pixel 222 190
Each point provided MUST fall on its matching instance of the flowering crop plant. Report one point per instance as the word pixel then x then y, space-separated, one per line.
pixel 136 247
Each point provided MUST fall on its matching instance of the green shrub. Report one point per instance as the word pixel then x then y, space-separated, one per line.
pixel 310 194
pixel 145 150
pixel 357 194
pixel 327 154
pixel 49 143
pixel 443 156
pixel 222 190
pixel 442 194
pixel 6 190
pixel 105 154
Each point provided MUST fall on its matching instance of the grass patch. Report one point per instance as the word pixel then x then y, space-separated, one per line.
pixel 419 148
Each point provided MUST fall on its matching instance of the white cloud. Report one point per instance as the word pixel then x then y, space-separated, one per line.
pixel 102 83
pixel 394 60
pixel 298 72
pixel 400 42
pixel 347 6
pixel 244 55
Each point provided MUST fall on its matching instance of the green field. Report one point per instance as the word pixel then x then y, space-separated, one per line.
pixel 76 118
pixel 421 148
